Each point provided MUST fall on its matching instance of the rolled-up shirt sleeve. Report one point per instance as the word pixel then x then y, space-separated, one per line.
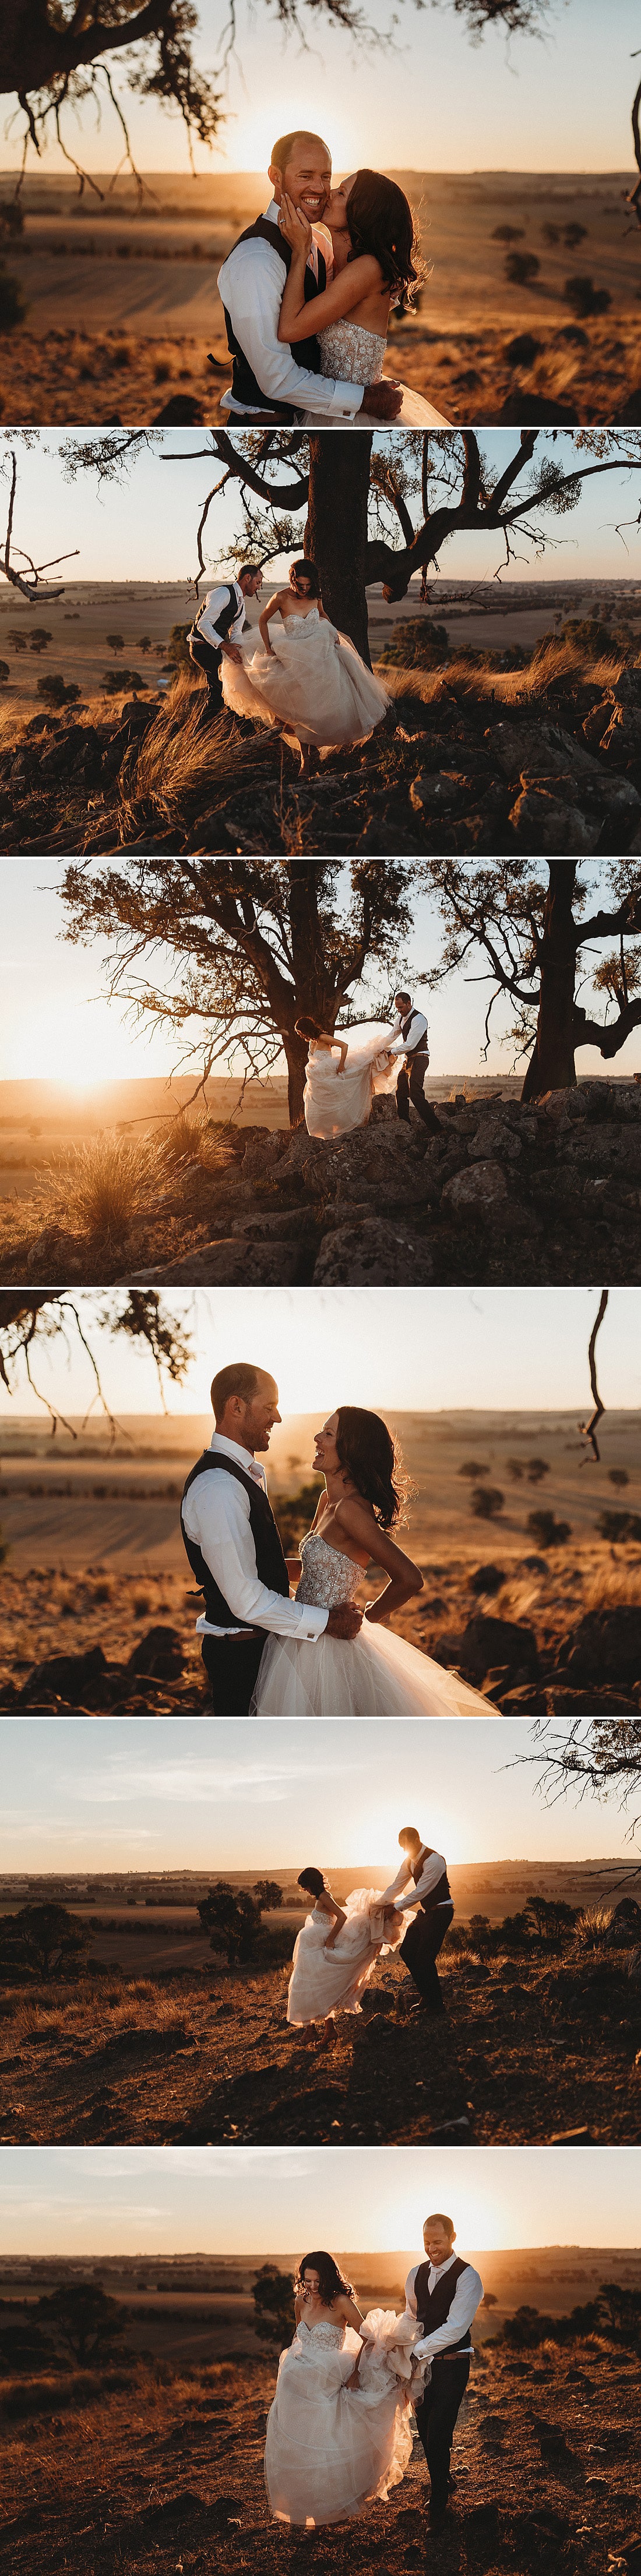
pixel 251 287
pixel 467 2296
pixel 220 1524
pixel 432 1869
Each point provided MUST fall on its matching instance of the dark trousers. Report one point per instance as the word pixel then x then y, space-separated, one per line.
pixel 208 661
pixel 436 2416
pixel 410 1087
pixel 420 1950
pixel 231 1664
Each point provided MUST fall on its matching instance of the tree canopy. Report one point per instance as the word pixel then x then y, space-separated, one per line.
pixel 533 925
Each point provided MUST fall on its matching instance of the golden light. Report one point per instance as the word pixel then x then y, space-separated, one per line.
pixel 79 1046
pixel 252 137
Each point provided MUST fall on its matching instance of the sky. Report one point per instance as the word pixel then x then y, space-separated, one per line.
pixel 56 1024
pixel 398 1349
pixel 437 100
pixel 144 528
pixel 208 1793
pixel 269 2200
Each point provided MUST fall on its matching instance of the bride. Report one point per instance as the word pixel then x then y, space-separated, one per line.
pixel 373 246
pixel 338 2429
pixel 338 1097
pixel 309 680
pixel 335 1952
pixel 379 1674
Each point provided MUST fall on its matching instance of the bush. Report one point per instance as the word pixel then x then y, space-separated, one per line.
pixel 486 1502
pixel 273 2297
pixel 593 1925
pixel 418 644
pixel 584 297
pixel 56 692
pixel 178 657
pixel 546 1531
pixel 619 1527
pixel 13 305
pixel 552 1919
pixel 113 682
pixel 521 267
pixel 108 1182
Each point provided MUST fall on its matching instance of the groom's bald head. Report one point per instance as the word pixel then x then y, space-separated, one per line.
pixel 301 167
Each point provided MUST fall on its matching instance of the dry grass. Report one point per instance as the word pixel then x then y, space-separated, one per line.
pixel 561 666
pixel 103 1186
pixel 593 1925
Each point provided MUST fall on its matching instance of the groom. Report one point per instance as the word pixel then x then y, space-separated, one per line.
pixel 233 1546
pixel 423 1878
pixel 270 380
pixel 410 1039
pixel 442 2294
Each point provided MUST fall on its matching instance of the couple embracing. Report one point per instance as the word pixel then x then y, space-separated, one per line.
pixel 339 2432
pixel 307 293
pixel 317 1655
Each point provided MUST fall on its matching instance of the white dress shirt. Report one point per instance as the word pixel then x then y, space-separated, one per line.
pixel 206 621
pixel 216 1515
pixel 250 284
pixel 467 2295
pixel 431 1869
pixel 416 1035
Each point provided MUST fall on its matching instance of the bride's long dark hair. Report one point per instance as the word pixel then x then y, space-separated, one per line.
pixel 370 1455
pixel 331 2282
pixel 380 220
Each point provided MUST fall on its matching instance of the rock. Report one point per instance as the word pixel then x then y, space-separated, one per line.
pixel 606 1646
pixel 160 1653
pixel 487 1578
pixel 491 1645
pixel 595 724
pixel 66 1677
pixel 494 1139
pixel 285 1225
pixel 522 351
pixel 439 791
pixel 541 823
pixel 232 1263
pixel 477 1191
pixel 454 2133
pixel 377 1253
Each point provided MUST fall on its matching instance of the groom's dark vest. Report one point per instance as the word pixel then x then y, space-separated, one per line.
pixel 406 1024
pixel 441 1894
pixel 433 2306
pixel 270 1562
pixel 306 353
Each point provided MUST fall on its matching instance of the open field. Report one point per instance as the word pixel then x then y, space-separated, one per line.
pixel 542 2036
pixel 156 2463
pixel 123 309
pixel 96 1560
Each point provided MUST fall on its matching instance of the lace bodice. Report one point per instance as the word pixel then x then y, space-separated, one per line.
pixel 351 353
pixel 324 2332
pixel 328 1577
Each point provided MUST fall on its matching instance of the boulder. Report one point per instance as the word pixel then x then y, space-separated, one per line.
pixel 478 1191
pixel 606 1646
pixel 490 1645
pixel 494 1138
pixel 440 791
pixel 67 1677
pixel 159 1653
pixel 376 1253
pixel 231 1263
pixel 487 1578
pixel 541 823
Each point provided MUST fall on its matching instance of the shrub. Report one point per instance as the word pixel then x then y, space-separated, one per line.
pixel 108 1182
pixel 584 297
pixel 486 1502
pixel 551 1918
pixel 521 267
pixel 56 691
pixel 113 682
pixel 592 1926
pixel 178 658
pixel 619 1527
pixel 273 2297
pixel 183 1137
pixel 546 1530
pixel 13 304
pixel 418 644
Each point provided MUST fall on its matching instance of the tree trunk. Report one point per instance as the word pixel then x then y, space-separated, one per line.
pixel 295 1050
pixel 551 1066
pixel 336 532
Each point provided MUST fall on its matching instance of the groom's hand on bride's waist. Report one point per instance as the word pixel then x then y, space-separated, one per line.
pixel 344 1621
pixel 383 400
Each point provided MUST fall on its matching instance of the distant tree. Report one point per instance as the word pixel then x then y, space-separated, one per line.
pixel 113 682
pixel 486 1501
pixel 516 1469
pixel 232 1919
pixel 178 657
pixel 472 1468
pixel 268 1895
pixel 115 642
pixel 57 692
pixel 417 644
pixel 13 304
pixel 550 234
pixel 40 637
pixel 584 298
pixel 573 234
pixel 619 1477
pixel 273 2297
pixel 617 1527
pixel 5 674
pixel 45 1938
pixel 546 1531
pixel 17 639
pixel 552 1919
pixel 144 643
pixel 84 2320
pixel 536 1469
pixel 521 267
pixel 508 232
pixel 620 2311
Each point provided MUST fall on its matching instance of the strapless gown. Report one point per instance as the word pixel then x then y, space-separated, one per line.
pixel 358 358
pixel 377 1674
pixel 334 1103
pixel 324 1982
pixel 313 681
pixel 330 2450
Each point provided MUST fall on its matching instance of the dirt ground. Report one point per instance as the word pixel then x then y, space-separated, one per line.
pixel 534 2045
pixel 166 2472
pixel 123 308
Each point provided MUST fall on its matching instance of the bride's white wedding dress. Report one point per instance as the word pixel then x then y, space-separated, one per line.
pixel 330 2450
pixel 377 1674
pixel 335 1102
pixel 324 1982
pixel 313 681
pixel 357 357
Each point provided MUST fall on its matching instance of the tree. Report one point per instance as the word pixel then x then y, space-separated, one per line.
pixel 255 944
pixel 551 1917
pixel 232 1918
pixel 486 1501
pixel 357 500
pixel 39 638
pixel 268 1894
pixel 116 643
pixel 533 923
pixel 84 2320
pixel 5 674
pixel 30 1319
pixel 273 2297
pixel 546 1531
pixel 598 1757
pixel 45 1938
pixel 58 692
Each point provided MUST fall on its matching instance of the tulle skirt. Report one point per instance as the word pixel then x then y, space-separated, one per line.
pixel 415 413
pixel 322 1982
pixel 377 1675
pixel 330 2450
pixel 335 1103
pixel 313 682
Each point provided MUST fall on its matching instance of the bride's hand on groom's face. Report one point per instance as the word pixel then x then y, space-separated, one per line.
pixel 294 226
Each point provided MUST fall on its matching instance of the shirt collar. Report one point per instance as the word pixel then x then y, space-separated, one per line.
pixel 437 2268
pixel 242 1457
